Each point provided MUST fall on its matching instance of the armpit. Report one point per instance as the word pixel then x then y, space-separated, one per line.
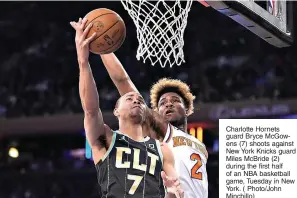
pixel 102 140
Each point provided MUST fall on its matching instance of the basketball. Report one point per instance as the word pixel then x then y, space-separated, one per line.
pixel 109 28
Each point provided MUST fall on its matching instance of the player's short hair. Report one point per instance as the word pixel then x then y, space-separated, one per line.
pixel 166 85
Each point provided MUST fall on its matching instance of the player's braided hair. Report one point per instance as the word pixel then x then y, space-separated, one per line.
pixel 166 85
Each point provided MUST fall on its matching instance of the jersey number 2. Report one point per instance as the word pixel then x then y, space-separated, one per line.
pixel 194 171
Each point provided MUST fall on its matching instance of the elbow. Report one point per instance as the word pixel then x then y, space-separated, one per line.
pixel 91 109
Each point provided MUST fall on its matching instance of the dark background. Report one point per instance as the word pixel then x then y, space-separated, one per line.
pixel 39 78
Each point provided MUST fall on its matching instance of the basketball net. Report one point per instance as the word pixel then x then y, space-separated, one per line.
pixel 160 29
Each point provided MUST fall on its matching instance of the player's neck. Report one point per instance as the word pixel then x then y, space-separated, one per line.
pixel 182 126
pixel 134 131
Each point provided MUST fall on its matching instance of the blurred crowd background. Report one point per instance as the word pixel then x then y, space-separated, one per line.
pixel 39 78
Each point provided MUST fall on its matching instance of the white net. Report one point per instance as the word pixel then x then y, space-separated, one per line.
pixel 160 29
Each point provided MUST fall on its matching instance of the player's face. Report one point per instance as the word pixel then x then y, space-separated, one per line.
pixel 172 108
pixel 132 105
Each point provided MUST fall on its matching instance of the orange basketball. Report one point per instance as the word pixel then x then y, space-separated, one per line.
pixel 110 30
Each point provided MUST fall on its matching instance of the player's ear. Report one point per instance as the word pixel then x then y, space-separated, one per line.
pixel 187 111
pixel 116 112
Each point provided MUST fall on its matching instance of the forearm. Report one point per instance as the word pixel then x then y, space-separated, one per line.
pixel 118 74
pixel 114 67
pixel 93 120
pixel 170 177
pixel 171 173
pixel 157 123
pixel 87 89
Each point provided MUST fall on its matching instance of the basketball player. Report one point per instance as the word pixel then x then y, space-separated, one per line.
pixel 127 163
pixel 173 100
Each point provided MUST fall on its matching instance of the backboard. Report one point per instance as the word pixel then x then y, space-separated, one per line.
pixel 271 20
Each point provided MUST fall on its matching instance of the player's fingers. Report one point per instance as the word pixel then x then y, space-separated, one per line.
pixel 79 20
pixel 84 22
pixel 181 193
pixel 90 39
pixel 176 183
pixel 179 189
pixel 79 27
pixel 172 179
pixel 177 195
pixel 73 24
pixel 164 176
pixel 86 31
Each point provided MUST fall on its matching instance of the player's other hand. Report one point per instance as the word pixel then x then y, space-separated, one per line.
pixel 172 185
pixel 82 44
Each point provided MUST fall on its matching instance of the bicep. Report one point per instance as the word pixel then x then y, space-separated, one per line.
pixel 94 127
pixel 98 135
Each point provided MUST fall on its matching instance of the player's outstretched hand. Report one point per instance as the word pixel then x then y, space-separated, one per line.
pixel 82 43
pixel 173 186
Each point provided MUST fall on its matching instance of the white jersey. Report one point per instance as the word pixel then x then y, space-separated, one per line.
pixel 190 162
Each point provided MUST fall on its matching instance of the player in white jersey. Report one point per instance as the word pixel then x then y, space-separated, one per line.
pixel 173 100
pixel 190 162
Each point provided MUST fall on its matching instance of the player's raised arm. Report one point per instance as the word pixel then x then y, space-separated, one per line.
pixel 93 120
pixel 169 175
pixel 118 74
pixel 155 126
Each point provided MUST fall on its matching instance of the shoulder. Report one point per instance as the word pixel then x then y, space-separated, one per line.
pixel 173 131
pixel 169 133
pixel 194 139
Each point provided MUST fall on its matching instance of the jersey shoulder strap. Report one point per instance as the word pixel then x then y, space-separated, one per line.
pixel 158 145
pixel 168 134
pixel 113 140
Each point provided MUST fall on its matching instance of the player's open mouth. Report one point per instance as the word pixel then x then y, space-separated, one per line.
pixel 169 112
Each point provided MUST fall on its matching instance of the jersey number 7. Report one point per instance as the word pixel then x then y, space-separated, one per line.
pixel 137 179
pixel 194 171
